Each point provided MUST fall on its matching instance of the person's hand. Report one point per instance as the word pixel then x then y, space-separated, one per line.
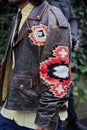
pixel 76 46
pixel 39 128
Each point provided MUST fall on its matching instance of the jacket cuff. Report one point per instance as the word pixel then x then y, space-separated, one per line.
pixel 45 122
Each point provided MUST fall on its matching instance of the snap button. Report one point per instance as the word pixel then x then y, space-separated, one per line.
pixel 21 85
pixel 38 17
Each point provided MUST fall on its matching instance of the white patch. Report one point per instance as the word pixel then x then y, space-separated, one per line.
pixel 61 71
pixel 63 53
pixel 40 35
pixel 60 89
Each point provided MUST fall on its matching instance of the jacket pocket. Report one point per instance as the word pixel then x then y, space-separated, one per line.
pixel 22 82
pixel 22 94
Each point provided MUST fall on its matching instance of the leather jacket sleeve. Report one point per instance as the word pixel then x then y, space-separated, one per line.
pixel 55 77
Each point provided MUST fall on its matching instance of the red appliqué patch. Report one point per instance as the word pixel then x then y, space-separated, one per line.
pixel 39 34
pixel 56 71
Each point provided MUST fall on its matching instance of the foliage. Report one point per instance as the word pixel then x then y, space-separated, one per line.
pixel 5 19
pixel 4 25
pixel 79 59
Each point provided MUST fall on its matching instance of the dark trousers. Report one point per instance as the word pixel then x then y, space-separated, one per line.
pixel 59 125
pixel 72 116
pixel 6 124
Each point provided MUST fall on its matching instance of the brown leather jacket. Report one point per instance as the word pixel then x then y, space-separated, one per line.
pixel 41 77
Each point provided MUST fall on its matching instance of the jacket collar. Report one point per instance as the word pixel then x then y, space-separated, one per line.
pixel 35 15
pixel 38 11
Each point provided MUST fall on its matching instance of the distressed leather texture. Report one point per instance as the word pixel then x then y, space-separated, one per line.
pixel 28 88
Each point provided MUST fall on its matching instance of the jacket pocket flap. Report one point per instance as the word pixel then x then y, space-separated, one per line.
pixel 22 81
